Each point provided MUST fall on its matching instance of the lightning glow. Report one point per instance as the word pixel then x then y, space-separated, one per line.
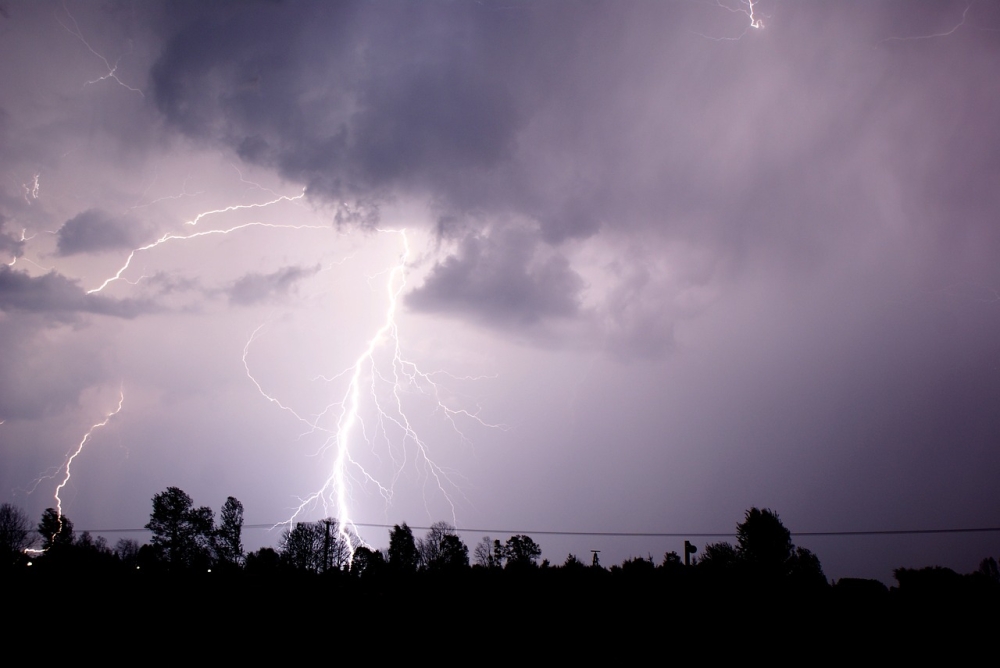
pixel 377 386
pixel 79 448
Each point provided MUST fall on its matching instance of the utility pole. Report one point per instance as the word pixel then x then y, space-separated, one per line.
pixel 689 549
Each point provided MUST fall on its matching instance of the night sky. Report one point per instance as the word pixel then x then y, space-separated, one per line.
pixel 619 266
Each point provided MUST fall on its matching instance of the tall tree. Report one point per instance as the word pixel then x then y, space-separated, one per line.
pixel 521 552
pixel 55 531
pixel 182 534
pixel 314 546
pixel 442 549
pixel 403 554
pixel 764 543
pixel 15 534
pixel 229 541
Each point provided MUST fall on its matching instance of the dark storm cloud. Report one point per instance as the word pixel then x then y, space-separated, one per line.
pixel 793 146
pixel 94 231
pixel 254 288
pixel 58 296
pixel 499 279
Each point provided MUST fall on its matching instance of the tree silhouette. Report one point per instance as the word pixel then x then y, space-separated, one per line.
pixel 55 531
pixel 301 547
pixel 403 554
pixel 717 556
pixel 314 546
pixel 763 542
pixel 229 543
pixel 367 563
pixel 442 549
pixel 521 552
pixel 488 553
pixel 182 534
pixel 15 534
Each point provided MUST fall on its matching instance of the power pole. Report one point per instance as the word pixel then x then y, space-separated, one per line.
pixel 689 549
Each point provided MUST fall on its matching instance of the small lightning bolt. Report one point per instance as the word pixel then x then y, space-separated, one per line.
pixel 79 449
pixel 32 192
pixel 951 31
pixel 746 7
pixel 112 69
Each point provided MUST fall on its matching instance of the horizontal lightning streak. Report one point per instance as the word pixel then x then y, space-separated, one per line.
pixel 184 237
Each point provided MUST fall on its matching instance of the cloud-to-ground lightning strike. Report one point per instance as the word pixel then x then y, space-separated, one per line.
pixel 79 448
pixel 366 379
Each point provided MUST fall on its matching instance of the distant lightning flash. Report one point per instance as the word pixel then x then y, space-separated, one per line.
pixel 112 69
pixel 383 386
pixel 32 192
pixel 75 454
pixel 946 33
pixel 745 7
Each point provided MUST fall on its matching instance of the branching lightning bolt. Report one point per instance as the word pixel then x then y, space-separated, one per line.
pixel 185 237
pixel 365 379
pixel 745 7
pixel 32 192
pixel 238 207
pixel 75 454
pixel 112 69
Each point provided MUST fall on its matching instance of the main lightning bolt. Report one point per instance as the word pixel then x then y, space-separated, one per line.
pixel 75 454
pixel 746 7
pixel 367 380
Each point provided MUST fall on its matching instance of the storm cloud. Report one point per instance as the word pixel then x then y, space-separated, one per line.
pixel 254 288
pixel 696 266
pixel 60 297
pixel 95 231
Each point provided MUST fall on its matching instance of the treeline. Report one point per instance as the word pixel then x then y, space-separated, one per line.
pixel 187 541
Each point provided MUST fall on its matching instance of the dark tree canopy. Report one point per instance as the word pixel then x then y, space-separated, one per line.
pixel 718 556
pixel 182 534
pixel 403 554
pixel 314 546
pixel 54 530
pixel 521 552
pixel 763 542
pixel 442 549
pixel 15 534
pixel 228 537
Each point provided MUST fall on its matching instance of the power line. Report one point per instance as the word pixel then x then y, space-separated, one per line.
pixel 628 534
